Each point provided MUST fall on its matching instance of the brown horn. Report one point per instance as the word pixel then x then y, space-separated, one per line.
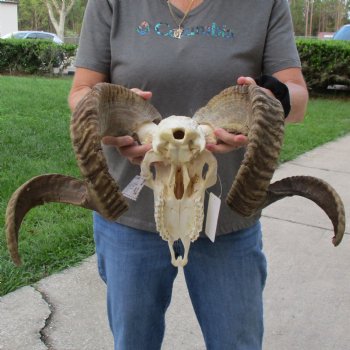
pixel 317 190
pixel 37 191
pixel 108 110
pixel 250 111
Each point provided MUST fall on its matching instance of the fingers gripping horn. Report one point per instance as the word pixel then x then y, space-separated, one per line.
pixel 248 110
pixel 108 110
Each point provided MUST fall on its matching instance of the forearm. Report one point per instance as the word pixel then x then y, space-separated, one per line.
pixel 76 95
pixel 84 80
pixel 298 99
pixel 298 93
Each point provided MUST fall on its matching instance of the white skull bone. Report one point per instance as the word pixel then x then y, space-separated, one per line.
pixel 179 169
pixel 112 110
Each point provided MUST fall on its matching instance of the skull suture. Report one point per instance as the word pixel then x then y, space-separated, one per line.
pixel 182 170
pixel 178 167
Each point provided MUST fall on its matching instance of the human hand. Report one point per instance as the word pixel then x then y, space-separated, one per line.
pixel 227 142
pixel 144 94
pixel 251 81
pixel 126 145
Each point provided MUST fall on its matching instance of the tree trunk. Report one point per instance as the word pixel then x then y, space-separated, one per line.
pixel 58 11
pixel 307 8
pixel 311 17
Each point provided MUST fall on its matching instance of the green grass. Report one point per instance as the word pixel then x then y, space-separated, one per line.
pixel 34 139
pixel 326 119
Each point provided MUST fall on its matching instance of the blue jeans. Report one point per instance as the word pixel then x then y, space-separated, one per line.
pixel 225 280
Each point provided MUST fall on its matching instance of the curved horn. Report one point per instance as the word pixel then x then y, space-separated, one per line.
pixel 108 110
pixel 248 110
pixel 38 191
pixel 317 190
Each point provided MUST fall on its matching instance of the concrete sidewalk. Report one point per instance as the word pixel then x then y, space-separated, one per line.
pixel 307 297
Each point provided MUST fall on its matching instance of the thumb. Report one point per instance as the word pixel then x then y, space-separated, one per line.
pixel 246 81
pixel 144 94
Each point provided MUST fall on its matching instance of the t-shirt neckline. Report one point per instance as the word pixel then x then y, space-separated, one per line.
pixel 194 11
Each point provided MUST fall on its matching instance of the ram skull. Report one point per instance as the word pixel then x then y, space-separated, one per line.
pixel 182 170
pixel 178 167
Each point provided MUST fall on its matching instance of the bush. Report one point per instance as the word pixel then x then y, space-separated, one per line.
pixel 324 62
pixel 33 56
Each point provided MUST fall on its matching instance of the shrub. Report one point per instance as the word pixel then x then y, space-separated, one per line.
pixel 324 62
pixel 33 56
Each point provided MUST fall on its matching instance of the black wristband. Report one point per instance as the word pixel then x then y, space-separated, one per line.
pixel 279 89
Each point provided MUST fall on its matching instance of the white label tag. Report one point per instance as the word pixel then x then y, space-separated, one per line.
pixel 134 188
pixel 212 216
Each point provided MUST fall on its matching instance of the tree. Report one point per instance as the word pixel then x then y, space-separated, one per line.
pixel 75 18
pixel 313 16
pixel 32 15
pixel 297 10
pixel 307 17
pixel 58 11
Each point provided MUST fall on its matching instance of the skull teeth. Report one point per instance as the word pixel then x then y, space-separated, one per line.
pixel 160 219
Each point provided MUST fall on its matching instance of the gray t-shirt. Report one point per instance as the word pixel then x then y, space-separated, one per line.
pixel 133 43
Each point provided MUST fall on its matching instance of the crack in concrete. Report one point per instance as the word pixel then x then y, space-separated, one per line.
pixel 318 168
pixel 302 223
pixel 44 337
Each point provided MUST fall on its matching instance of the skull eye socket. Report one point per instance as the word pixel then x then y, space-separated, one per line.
pixel 153 171
pixel 205 170
pixel 178 134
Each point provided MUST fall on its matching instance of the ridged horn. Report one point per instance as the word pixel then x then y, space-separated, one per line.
pixel 250 111
pixel 108 110
pixel 37 191
pixel 315 189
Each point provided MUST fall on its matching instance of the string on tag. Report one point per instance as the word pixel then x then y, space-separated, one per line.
pixel 220 183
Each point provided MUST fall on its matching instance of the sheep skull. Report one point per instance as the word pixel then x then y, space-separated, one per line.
pixel 182 170
pixel 179 160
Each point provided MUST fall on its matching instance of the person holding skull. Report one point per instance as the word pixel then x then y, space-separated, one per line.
pixel 178 54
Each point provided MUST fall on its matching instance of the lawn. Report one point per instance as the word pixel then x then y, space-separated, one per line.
pixel 34 139
pixel 326 120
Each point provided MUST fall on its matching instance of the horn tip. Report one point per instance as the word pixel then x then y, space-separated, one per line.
pixel 16 259
pixel 18 263
pixel 336 240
